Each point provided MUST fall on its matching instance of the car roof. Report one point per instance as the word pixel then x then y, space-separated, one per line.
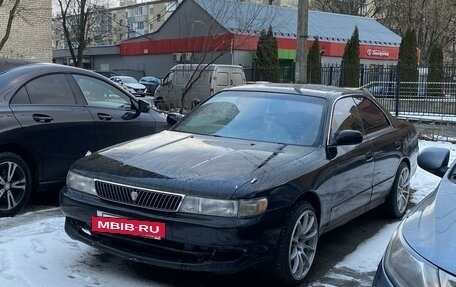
pixel 150 77
pixel 328 92
pixel 14 75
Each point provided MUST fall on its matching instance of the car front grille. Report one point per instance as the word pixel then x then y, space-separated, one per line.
pixel 137 196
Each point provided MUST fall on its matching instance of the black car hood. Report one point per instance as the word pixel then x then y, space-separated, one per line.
pixel 431 229
pixel 191 164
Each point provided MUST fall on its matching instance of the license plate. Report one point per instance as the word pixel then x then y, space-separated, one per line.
pixel 109 223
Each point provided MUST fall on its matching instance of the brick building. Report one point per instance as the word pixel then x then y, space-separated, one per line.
pixel 30 36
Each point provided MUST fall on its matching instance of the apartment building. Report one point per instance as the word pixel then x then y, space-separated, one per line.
pixel 30 36
pixel 129 20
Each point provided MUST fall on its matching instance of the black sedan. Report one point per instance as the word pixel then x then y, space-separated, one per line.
pixel 422 250
pixel 52 115
pixel 252 176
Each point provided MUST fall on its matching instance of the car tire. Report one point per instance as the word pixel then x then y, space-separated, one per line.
pixel 15 184
pixel 297 246
pixel 397 200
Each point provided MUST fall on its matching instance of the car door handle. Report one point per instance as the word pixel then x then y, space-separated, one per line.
pixel 369 156
pixel 42 118
pixel 398 145
pixel 104 117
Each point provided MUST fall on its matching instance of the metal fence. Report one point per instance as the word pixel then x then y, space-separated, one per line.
pixel 421 97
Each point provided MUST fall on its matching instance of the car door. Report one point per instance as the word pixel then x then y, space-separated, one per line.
pixel 353 165
pixel 386 145
pixel 60 129
pixel 115 118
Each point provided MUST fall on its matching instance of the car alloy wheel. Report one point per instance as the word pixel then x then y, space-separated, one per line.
pixel 403 190
pixel 303 244
pixel 397 200
pixel 297 246
pixel 14 184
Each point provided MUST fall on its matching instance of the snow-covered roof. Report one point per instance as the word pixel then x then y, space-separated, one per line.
pixel 250 18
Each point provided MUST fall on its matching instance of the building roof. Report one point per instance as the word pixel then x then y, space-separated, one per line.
pixel 249 18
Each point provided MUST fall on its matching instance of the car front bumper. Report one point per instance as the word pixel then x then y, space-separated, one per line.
pixel 192 242
pixel 381 278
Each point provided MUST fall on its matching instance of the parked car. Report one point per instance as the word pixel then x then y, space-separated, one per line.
pixel 130 84
pixel 208 80
pixel 151 83
pixel 51 115
pixel 422 250
pixel 252 176
pixel 383 89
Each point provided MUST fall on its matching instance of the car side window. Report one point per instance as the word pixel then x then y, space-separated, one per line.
pixel 51 90
pixel 372 117
pixel 100 94
pixel 346 117
pixel 21 97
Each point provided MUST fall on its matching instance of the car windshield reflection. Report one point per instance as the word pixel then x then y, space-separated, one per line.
pixel 268 117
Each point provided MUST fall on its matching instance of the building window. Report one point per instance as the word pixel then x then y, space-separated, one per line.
pixel 158 17
pixel 151 11
pixel 139 11
pixel 151 27
pixel 138 26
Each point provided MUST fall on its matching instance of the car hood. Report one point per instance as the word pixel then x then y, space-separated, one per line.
pixel 431 229
pixel 191 164
pixel 136 86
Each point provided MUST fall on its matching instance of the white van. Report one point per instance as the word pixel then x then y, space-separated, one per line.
pixel 207 79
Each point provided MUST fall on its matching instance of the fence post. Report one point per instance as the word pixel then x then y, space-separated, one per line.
pixel 398 88
pixel 362 75
pixel 330 75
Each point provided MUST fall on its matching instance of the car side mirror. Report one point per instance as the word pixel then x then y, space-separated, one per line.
pixel 173 118
pixel 348 137
pixel 434 160
pixel 143 106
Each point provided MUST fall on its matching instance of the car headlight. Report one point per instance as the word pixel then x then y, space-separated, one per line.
pixel 405 267
pixel 131 90
pixel 81 183
pixel 225 208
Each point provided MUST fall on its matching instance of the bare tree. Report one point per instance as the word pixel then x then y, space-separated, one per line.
pixel 350 7
pixel 434 21
pixel 81 21
pixel 249 21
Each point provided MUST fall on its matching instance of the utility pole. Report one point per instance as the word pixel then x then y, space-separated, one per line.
pixel 301 38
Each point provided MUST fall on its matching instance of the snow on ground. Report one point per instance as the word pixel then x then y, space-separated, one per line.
pixel 35 251
pixel 369 253
pixel 41 254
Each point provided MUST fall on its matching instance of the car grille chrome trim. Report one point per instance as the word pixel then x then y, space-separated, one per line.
pixel 138 196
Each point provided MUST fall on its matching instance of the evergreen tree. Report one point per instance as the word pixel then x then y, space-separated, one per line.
pixel 314 63
pixel 350 62
pixel 435 74
pixel 267 54
pixel 408 64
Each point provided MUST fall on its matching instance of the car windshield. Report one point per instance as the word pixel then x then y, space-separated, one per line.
pixel 259 116
pixel 129 80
